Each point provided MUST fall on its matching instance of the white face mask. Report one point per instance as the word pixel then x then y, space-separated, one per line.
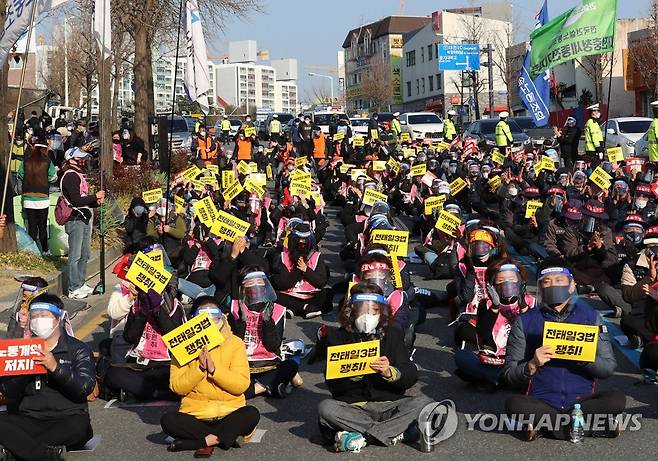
pixel 367 323
pixel 43 327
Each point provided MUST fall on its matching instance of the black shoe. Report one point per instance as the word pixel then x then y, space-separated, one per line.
pixel 176 446
pixel 5 455
pixel 616 313
pixel 635 342
pixel 56 453
pixel 278 391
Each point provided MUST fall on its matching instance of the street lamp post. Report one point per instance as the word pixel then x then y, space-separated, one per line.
pixel 313 74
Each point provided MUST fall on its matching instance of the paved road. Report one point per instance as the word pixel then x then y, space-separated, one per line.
pixel 290 424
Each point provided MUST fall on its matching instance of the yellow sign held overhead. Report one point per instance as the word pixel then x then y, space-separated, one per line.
pixel 494 182
pixel 268 171
pixel 147 274
pixel 531 208
pixel 448 223
pixel 353 359
pixel 188 340
pixel 456 186
pixel 601 178
pixel 374 133
pixel 419 170
pixel 547 163
pixel 571 341
pixel 397 242
pixel 254 188
pixel 370 196
pixel 205 210
pixel 213 169
pixel 615 154
pixel 405 137
pixel 229 227
pixel 228 178
pixel 232 191
pixel 191 173
pixel 300 162
pixel 379 165
pixel 339 136
pixel 152 196
pixel 179 203
pixel 358 141
pixel 250 131
pixel 497 157
pixel 244 168
pixel 432 203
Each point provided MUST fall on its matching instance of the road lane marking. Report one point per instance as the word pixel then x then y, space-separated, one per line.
pixel 89 327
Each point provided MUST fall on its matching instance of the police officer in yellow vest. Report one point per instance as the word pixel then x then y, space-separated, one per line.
pixel 594 136
pixel 653 134
pixel 449 131
pixel 226 128
pixel 395 124
pixel 275 128
pixel 503 134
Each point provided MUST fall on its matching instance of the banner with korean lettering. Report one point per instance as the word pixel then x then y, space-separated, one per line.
pixel 397 242
pixel 147 274
pixel 571 341
pixel 188 340
pixel 584 30
pixel 17 356
pixel 353 359
pixel 535 93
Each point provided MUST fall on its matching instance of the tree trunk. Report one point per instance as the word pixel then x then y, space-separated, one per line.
pixel 143 74
pixel 115 93
pixel 105 116
pixel 88 82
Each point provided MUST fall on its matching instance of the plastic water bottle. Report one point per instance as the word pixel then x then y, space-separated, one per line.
pixel 577 425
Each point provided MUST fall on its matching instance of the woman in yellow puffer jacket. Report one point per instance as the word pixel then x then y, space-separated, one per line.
pixel 212 410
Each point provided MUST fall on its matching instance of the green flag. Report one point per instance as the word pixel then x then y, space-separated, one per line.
pixel 581 31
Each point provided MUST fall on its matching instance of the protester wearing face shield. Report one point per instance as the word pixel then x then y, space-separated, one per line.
pixel 619 203
pixel 522 232
pixel 213 412
pixel 568 138
pixel 135 223
pixel 260 322
pixel 48 413
pixel 506 281
pixel 551 209
pixel 18 321
pixel 555 385
pixel 643 201
pixel 373 408
pixel 300 275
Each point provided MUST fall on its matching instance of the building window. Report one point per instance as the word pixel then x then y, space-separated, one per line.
pixel 411 58
pixel 429 52
pixel 409 89
pixel 367 41
pixel 354 47
pixel 417 87
pixel 422 81
pixel 430 81
pixel 422 54
pixel 438 82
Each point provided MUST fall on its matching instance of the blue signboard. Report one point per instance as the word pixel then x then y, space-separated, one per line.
pixel 459 57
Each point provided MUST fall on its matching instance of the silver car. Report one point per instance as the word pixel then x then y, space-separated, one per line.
pixel 625 132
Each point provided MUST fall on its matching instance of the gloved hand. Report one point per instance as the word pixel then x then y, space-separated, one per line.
pixel 150 302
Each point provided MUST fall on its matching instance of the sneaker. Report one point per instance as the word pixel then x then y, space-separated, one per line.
pixel 78 294
pixel 312 315
pixel 349 441
pixel 86 288
pixel 616 313
pixel 411 435
pixel 56 453
pixel 46 254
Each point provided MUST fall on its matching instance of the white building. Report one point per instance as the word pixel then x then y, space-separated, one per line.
pixel 424 86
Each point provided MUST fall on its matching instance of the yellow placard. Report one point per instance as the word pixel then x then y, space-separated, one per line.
pixel 339 136
pixel 191 173
pixel 379 165
pixel 448 223
pixel 531 208
pixel 188 340
pixel 206 211
pixel 152 196
pixel 253 167
pixel 232 191
pixel 228 178
pixel 419 170
pixel 356 172
pixel 395 271
pixel 353 359
pixel 147 274
pixel 537 167
pixel 405 137
pixel 494 182
pixel 571 341
pixel 497 157
pixel 254 188
pixel 243 167
pixel 198 185
pixel 301 175
pixel 250 131
pixel 393 164
pixel 156 256
pixel 229 227
pixel 547 164
pixel 456 186
pixel 370 196
pixel 258 178
pixel 358 141
pixel 615 154
pixel 209 181
pixel 179 203
pixel 214 169
pixel 300 162
pixel 374 133
pixel 601 178
pixel 300 188
pixel 268 172
pixel 432 203
pixel 396 242
pixel 408 152
pixel 440 147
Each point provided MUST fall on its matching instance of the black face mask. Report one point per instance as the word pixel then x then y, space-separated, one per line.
pixel 555 295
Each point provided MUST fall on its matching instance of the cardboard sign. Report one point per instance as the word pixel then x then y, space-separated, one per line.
pixel 147 275
pixel 253 167
pixel 395 271
pixel 339 136
pixel 353 359
pixel 356 172
pixel 497 157
pixel 370 196
pixel 408 152
pixel 156 256
pixel 379 165
pixel 405 137
pixel 537 167
pixel 254 188
pixel 571 341
pixel 250 131
pixel 228 178
pixel 17 356
pixel 244 168
pixel 179 203
pixel 198 185
pixel 601 178
pixel 531 208
pixel 448 223
pixel 419 170
pixel 191 173
pixel 456 186
pixel 210 181
pixel 268 171
pixel 188 340
pixel 229 227
pixel 432 203
pixel 206 211
pixel 547 164
pixel 494 182
pixel 374 133
pixel 152 196
pixel 396 242
pixel 615 154
pixel 300 188
pixel 213 169
pixel 232 191
pixel 358 141
pixel 300 162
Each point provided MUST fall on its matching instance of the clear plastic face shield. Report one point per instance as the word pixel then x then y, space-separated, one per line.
pixel 44 319
pixel 379 274
pixel 634 233
pixel 254 204
pixel 505 288
pixel 579 178
pixel 367 308
pixel 620 189
pixel 214 312
pixel 588 224
pixel 256 291
pixel 557 202
pixel 555 286
pixel 579 165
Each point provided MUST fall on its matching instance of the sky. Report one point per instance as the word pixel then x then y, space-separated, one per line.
pixel 312 31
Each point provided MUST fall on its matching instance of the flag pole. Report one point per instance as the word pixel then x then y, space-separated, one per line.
pixel 173 104
pixel 607 109
pixel 33 14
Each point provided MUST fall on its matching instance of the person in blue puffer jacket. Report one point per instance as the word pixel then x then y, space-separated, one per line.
pixel 555 385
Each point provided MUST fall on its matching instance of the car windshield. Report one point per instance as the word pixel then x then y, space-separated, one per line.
pixel 634 126
pixel 384 117
pixel 180 125
pixel 235 122
pixel 525 123
pixel 359 121
pixel 323 119
pixel 285 118
pixel 489 126
pixel 422 119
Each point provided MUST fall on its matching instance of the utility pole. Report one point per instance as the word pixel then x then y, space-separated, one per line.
pixel 491 90
pixel 66 62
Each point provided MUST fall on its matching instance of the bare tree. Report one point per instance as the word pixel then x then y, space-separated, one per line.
pixel 474 31
pixel 507 69
pixel 644 56
pixel 377 85
pixel 598 68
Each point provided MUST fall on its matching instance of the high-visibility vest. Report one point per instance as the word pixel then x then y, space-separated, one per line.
pixel 593 135
pixel 319 144
pixel 226 125
pixel 275 127
pixel 503 134
pixel 395 126
pixel 653 141
pixel 244 149
pixel 449 131
pixel 204 144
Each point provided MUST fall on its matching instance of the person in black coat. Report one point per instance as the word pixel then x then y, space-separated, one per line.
pixel 135 223
pixel 370 408
pixel 568 137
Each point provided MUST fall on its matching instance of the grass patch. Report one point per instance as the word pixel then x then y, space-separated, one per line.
pixel 36 265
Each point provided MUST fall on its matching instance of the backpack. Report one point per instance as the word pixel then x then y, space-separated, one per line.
pixel 63 208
